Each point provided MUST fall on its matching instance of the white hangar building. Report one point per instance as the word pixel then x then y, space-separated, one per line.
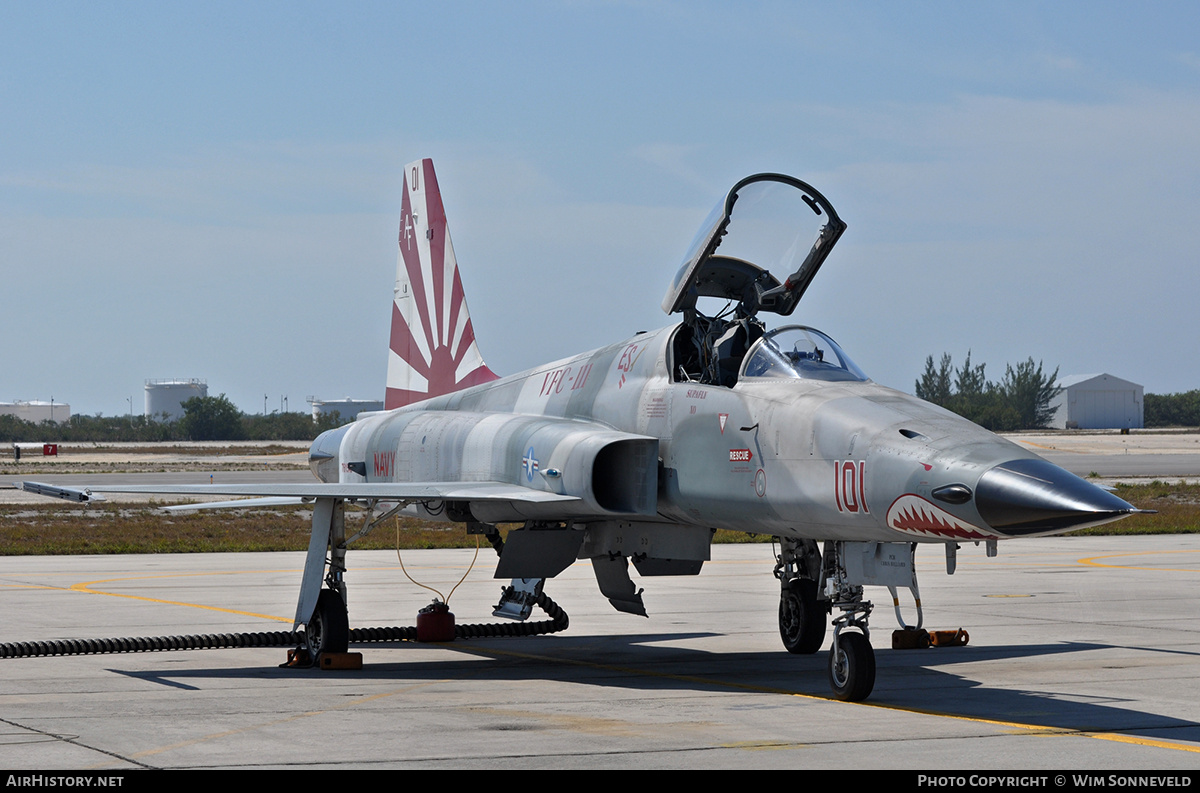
pixel 1097 401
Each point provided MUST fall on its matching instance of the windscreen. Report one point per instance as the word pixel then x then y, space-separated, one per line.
pixel 800 353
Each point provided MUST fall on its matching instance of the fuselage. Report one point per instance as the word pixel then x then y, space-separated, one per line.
pixel 842 460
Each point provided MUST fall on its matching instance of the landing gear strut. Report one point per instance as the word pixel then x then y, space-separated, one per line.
pixel 851 659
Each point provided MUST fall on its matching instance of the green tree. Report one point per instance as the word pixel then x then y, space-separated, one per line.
pixel 1020 401
pixel 280 427
pixel 1172 410
pixel 331 420
pixel 1029 391
pixel 992 411
pixel 934 385
pixel 211 419
pixel 970 382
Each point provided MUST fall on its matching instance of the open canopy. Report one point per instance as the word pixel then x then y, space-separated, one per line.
pixel 763 224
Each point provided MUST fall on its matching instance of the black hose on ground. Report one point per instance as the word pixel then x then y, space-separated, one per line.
pixel 558 622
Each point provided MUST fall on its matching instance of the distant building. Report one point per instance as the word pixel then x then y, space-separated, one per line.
pixel 1097 401
pixel 347 408
pixel 168 396
pixel 37 412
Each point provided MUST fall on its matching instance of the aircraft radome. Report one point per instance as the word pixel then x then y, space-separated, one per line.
pixel 638 451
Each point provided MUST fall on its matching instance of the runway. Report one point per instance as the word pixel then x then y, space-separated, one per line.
pixel 1113 457
pixel 1083 655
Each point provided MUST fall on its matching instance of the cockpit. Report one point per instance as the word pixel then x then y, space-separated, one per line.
pixel 760 224
pixel 800 353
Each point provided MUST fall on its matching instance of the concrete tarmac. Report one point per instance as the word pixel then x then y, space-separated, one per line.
pixel 1084 654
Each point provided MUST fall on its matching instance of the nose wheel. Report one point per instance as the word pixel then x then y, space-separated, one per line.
pixel 851 667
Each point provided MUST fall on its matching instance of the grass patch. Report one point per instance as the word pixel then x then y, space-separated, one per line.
pixel 189 450
pixel 1177 506
pixel 114 528
pixel 49 529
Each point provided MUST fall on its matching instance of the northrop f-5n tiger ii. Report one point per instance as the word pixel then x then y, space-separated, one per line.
pixel 638 451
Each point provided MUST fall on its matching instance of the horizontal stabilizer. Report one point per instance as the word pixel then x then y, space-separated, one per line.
pixel 55 491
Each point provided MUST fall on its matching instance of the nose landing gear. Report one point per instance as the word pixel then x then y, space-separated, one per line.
pixel 844 568
pixel 851 659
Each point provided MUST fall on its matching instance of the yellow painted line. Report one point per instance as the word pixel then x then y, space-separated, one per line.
pixel 1090 561
pixel 86 588
pixel 1138 740
pixel 764 746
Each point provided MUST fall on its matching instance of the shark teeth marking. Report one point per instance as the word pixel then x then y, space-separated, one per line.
pixel 913 514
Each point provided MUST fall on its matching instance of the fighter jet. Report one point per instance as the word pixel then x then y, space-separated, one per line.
pixel 638 451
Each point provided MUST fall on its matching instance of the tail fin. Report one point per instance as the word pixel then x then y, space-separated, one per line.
pixel 433 349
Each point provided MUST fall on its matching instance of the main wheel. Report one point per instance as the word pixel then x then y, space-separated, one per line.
pixel 801 617
pixel 852 671
pixel 328 630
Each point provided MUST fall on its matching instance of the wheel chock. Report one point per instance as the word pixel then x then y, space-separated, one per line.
pixel 958 638
pixel 910 639
pixel 340 660
pixel 297 658
pixel 300 658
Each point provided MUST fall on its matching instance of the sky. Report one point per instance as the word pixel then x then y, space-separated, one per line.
pixel 212 189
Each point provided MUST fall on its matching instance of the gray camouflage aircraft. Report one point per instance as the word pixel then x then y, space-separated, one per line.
pixel 638 451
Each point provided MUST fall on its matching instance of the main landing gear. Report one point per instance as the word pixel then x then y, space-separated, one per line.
pixel 322 605
pixel 328 630
pixel 843 568
pixel 801 614
pixel 801 617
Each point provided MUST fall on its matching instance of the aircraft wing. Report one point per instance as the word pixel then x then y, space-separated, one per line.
pixel 360 491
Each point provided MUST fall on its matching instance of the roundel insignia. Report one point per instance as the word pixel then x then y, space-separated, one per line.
pixel 530 463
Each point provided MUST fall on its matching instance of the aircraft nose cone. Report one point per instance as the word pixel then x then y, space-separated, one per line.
pixel 1033 496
